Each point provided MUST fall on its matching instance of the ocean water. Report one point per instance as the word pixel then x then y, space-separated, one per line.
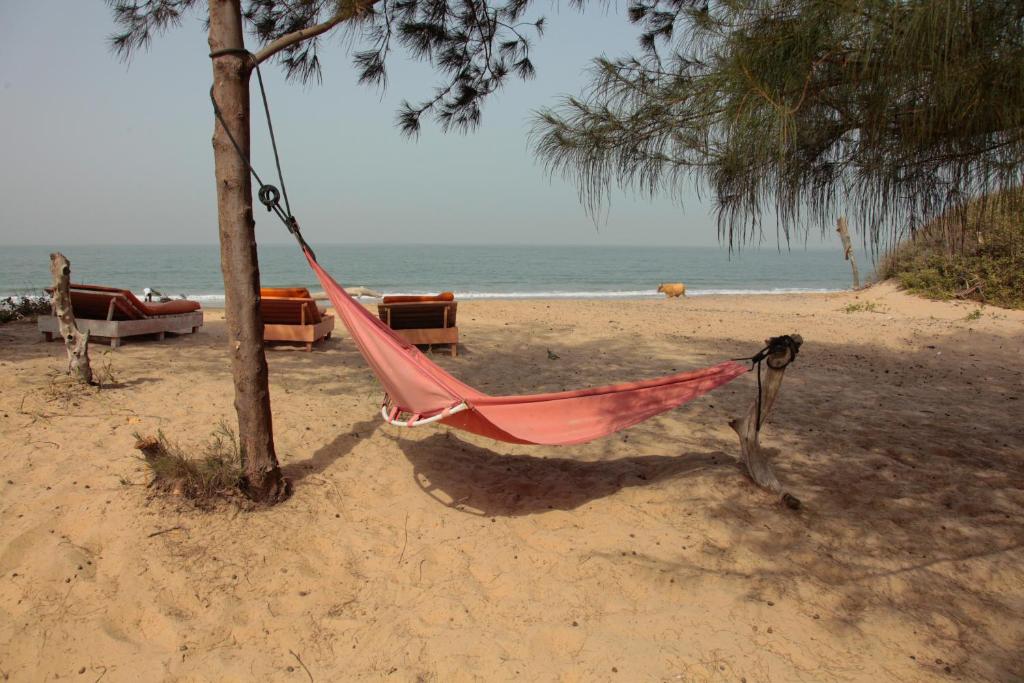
pixel 470 271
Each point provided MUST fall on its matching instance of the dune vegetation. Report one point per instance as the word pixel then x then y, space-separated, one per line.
pixel 983 261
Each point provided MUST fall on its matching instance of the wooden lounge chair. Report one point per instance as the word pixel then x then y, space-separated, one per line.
pixel 423 320
pixel 293 318
pixel 114 314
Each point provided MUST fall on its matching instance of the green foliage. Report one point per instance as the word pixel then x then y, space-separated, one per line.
pixel 974 315
pixel 797 111
pixel 474 44
pixel 215 474
pixel 23 308
pixel 864 307
pixel 986 265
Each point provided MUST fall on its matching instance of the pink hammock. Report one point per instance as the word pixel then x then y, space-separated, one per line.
pixel 421 390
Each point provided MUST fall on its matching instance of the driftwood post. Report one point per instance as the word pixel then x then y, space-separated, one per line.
pixel 779 353
pixel 844 235
pixel 77 344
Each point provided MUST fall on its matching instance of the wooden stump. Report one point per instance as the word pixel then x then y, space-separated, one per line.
pixel 844 235
pixel 778 354
pixel 76 343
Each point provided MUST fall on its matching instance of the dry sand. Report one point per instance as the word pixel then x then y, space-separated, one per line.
pixel 430 555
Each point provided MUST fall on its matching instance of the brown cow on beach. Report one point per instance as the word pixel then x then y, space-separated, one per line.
pixel 672 289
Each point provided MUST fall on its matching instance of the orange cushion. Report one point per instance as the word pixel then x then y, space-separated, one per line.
pixel 175 307
pixel 284 292
pixel 95 305
pixel 443 296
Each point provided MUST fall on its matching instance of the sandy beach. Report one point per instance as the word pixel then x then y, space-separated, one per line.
pixel 432 555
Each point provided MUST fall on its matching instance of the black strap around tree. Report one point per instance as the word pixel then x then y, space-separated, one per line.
pixel 268 195
pixel 775 344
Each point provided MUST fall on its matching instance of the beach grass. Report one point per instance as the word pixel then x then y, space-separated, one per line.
pixel 205 478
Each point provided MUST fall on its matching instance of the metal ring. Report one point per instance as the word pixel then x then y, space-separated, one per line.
pixel 269 196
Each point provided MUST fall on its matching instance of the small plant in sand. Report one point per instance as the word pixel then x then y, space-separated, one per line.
pixel 204 479
pixel 105 373
pixel 864 307
pixel 67 392
pixel 974 315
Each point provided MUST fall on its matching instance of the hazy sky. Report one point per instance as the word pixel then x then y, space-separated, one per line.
pixel 96 151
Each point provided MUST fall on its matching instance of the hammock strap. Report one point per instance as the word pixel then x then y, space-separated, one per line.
pixel 268 194
pixel 784 343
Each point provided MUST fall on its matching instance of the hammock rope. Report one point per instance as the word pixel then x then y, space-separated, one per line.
pixel 268 194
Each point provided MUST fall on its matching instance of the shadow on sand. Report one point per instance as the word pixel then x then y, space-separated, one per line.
pixel 480 481
pixel 328 454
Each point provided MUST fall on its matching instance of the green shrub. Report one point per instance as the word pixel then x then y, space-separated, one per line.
pixel 984 262
pixel 23 308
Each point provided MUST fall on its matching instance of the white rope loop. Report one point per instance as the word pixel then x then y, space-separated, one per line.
pixel 394 421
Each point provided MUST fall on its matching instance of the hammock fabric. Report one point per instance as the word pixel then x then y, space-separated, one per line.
pixel 417 387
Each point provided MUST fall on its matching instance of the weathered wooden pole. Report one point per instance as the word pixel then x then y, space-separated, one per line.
pixel 238 261
pixel 779 353
pixel 844 235
pixel 76 343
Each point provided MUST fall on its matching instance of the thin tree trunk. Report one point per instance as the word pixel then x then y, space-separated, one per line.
pixel 844 235
pixel 748 427
pixel 238 260
pixel 76 343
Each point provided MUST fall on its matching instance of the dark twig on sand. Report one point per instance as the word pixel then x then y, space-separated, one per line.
pixel 303 664
pixel 165 531
pixel 406 541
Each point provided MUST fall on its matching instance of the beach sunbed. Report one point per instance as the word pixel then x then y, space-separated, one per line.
pixel 114 314
pixel 423 320
pixel 291 315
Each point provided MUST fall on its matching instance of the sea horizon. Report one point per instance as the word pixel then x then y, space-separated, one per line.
pixel 280 243
pixel 472 271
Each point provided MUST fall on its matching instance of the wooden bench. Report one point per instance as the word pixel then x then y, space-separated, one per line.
pixel 294 319
pixel 423 322
pixel 114 314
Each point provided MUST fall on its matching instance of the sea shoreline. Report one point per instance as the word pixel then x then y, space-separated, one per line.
pixel 214 302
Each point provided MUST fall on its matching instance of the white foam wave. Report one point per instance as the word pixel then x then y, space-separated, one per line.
pixel 557 295
pixel 629 294
pixel 758 292
pixel 217 300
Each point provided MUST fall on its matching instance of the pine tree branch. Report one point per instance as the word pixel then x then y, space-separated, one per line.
pixel 350 11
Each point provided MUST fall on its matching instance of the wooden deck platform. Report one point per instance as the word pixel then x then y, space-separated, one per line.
pixel 116 330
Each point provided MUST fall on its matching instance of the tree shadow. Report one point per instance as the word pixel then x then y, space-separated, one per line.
pixel 129 383
pixel 327 455
pixel 479 481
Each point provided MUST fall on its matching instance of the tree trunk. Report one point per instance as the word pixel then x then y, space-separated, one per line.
pixel 238 260
pixel 76 343
pixel 748 427
pixel 844 235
